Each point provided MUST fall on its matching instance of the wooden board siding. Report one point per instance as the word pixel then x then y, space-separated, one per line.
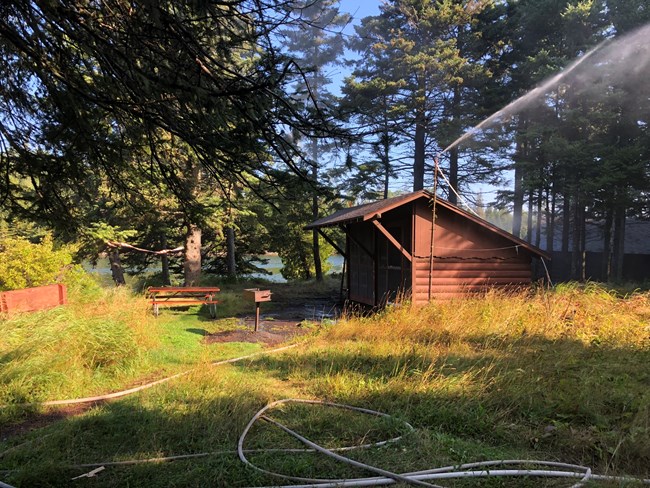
pixel 422 215
pixel 393 268
pixel 361 276
pixel 467 258
pixel 454 278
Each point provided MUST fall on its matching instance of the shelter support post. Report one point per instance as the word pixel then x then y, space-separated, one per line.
pixel 392 240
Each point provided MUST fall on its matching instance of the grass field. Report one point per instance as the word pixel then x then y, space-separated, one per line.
pixel 555 375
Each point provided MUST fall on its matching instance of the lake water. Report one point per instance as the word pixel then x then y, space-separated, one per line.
pixel 273 264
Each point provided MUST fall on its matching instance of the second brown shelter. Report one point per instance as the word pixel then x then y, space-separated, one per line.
pixel 396 246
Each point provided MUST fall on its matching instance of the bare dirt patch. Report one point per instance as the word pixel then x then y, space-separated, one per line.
pixel 270 332
pixel 279 326
pixel 37 420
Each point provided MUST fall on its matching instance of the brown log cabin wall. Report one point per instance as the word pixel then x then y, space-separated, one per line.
pixel 468 258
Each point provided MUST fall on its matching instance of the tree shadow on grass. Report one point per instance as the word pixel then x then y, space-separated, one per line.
pixel 556 400
pixel 131 429
pixel 201 332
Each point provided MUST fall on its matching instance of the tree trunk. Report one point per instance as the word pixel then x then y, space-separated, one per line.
pixel 192 252
pixel 164 261
pixel 518 197
pixel 453 152
pixel 192 262
pixel 231 262
pixel 385 142
pixel 315 238
pixel 606 269
pixel 116 267
pixel 418 159
pixel 583 243
pixel 529 220
pixel 518 201
pixel 576 248
pixel 538 222
pixel 318 268
pixel 566 222
pixel 386 162
pixel 453 174
pixel 305 266
pixel 619 242
pixel 550 221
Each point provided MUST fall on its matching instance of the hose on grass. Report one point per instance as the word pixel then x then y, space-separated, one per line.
pixel 419 478
pixel 483 469
pixel 130 391
pixel 313 446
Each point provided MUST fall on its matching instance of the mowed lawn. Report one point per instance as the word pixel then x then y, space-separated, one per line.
pixel 559 375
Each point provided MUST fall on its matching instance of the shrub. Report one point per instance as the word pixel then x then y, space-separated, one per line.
pixel 24 264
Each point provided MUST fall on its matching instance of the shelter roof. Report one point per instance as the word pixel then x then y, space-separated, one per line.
pixel 373 210
pixel 367 211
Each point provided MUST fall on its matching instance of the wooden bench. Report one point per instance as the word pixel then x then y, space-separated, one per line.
pixel 183 296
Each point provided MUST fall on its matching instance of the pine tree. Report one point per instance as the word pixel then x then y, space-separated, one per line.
pixel 317 45
pixel 371 103
pixel 210 75
pixel 425 51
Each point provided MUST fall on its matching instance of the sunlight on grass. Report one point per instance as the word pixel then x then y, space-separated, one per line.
pixel 100 342
pixel 552 374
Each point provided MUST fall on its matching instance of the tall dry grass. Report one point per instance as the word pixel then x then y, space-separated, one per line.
pixel 553 374
pixel 566 371
pixel 91 344
pixel 589 314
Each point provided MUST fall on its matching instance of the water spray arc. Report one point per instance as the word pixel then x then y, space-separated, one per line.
pixel 629 54
pixel 514 106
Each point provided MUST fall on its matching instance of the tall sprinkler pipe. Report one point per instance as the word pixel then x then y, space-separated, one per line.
pixel 433 221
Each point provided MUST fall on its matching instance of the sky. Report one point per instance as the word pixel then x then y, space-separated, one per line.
pixel 360 9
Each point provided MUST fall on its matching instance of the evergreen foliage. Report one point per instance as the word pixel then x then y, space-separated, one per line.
pixel 317 46
pixel 213 128
pixel 420 65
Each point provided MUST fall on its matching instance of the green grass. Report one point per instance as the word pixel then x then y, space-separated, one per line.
pixel 555 375
pixel 101 341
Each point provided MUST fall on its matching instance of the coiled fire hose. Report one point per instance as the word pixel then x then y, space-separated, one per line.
pixel 418 478
pixel 483 469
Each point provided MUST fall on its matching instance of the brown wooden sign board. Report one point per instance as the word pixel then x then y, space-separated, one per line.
pixel 33 299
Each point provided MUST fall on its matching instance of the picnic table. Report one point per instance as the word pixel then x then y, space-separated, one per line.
pixel 182 296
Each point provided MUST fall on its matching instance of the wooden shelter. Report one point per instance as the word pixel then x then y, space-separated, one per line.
pixel 396 246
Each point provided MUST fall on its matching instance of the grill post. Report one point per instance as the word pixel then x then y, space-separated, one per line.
pixel 257 296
